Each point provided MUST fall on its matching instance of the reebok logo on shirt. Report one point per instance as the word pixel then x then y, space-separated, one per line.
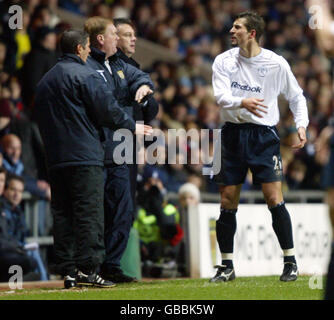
pixel 245 87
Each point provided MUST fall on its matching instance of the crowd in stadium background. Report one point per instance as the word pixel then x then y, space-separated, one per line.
pixel 198 31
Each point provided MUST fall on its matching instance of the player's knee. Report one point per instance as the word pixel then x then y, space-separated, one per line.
pixel 273 197
pixel 273 200
pixel 228 202
pixel 230 197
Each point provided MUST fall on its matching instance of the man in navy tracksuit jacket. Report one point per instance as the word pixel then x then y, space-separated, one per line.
pixel 144 112
pixel 128 84
pixel 72 104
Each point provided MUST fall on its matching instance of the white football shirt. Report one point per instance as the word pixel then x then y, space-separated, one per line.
pixel 264 76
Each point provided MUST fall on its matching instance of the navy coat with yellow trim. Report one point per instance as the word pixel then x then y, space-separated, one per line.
pixel 124 81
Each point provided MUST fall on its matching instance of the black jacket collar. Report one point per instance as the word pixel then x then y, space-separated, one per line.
pixel 98 55
pixel 120 54
pixel 71 56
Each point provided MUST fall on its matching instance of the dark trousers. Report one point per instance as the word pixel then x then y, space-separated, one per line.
pixel 118 213
pixel 77 209
pixel 133 171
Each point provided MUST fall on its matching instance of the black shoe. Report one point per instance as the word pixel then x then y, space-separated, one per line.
pixel 93 280
pixel 69 282
pixel 116 275
pixel 223 274
pixel 290 272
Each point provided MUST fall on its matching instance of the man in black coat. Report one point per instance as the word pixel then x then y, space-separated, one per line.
pixel 129 85
pixel 72 104
pixel 148 109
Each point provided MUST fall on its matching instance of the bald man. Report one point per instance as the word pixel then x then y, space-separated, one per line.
pixel 11 148
pixel 11 145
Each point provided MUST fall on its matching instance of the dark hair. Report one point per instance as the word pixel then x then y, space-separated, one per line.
pixel 10 177
pixel 253 21
pixel 42 32
pixel 70 39
pixel 38 11
pixel 119 21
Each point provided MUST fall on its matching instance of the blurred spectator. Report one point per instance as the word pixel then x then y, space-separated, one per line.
pixel 177 175
pixel 32 154
pixel 101 10
pixel 32 4
pixel 40 18
pixel 52 6
pixel 11 149
pixel 75 6
pixel 325 142
pixel 12 197
pixel 11 251
pixel 296 175
pixel 208 114
pixel 22 39
pixel 39 60
pixel 14 120
pixel 196 180
pixel 158 224
pixel 189 195
pixel 3 50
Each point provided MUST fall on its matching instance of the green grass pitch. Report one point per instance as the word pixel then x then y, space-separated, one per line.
pixel 243 288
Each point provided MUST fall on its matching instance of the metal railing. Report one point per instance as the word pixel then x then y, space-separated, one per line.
pixel 32 220
pixel 300 196
pixel 306 196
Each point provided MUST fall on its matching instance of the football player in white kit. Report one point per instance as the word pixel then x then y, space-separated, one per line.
pixel 247 81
